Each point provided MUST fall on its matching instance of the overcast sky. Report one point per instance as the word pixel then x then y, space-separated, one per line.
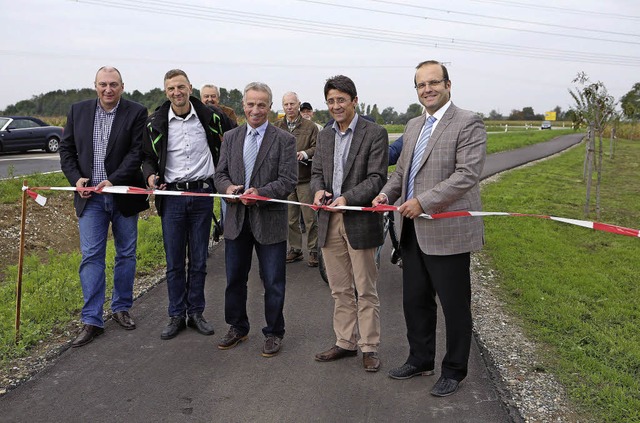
pixel 501 54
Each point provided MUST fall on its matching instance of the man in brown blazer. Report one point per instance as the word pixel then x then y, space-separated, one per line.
pixel 349 169
pixel 438 171
pixel 256 158
pixel 306 134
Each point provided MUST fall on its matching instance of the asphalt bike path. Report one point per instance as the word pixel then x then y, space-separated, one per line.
pixel 134 376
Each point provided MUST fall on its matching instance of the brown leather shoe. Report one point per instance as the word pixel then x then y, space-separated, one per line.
pixel 335 353
pixel 294 255
pixel 371 361
pixel 86 335
pixel 123 318
pixel 313 259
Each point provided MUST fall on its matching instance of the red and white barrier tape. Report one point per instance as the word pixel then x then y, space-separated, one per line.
pixel 620 230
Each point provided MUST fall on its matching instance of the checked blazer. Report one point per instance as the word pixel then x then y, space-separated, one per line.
pixel 364 175
pixel 447 180
pixel 275 175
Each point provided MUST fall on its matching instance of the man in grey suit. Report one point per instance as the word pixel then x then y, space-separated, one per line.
pixel 259 159
pixel 101 147
pixel 349 169
pixel 438 171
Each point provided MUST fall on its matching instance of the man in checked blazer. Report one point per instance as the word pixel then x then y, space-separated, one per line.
pixel 349 169
pixel 443 155
pixel 101 147
pixel 256 158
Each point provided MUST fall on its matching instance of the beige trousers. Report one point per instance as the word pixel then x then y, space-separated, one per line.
pixel 356 321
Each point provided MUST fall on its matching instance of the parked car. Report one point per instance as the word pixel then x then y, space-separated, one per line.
pixel 545 125
pixel 22 133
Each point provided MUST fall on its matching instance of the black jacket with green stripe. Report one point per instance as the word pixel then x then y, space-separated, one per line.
pixel 213 120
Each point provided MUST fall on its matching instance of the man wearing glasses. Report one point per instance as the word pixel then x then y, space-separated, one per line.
pixel 438 171
pixel 349 169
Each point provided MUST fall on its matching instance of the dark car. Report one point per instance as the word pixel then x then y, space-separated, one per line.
pixel 21 133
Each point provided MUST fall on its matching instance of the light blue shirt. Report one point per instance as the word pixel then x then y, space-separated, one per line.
pixel 340 154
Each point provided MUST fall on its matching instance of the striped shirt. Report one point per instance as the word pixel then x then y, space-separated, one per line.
pixel 101 131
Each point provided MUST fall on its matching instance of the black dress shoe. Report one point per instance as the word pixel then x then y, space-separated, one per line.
pixel 444 387
pixel 197 322
pixel 407 371
pixel 86 335
pixel 124 319
pixel 335 353
pixel 176 324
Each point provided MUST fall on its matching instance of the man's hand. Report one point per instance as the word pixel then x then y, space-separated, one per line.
pixel 249 201
pixel 233 190
pixel 300 156
pixel 321 198
pixel 81 183
pixel 152 182
pixel 411 209
pixel 380 199
pixel 103 184
pixel 340 201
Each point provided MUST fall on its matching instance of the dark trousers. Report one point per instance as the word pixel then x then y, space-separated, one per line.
pixel 186 224
pixel 425 276
pixel 271 259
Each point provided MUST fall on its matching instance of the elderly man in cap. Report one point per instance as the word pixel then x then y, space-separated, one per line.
pixel 307 112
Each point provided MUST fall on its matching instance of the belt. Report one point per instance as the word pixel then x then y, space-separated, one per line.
pixel 188 185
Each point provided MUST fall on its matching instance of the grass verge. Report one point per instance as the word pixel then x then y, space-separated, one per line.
pixel 574 289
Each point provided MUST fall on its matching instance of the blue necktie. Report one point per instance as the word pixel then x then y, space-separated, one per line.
pixel 249 156
pixel 418 152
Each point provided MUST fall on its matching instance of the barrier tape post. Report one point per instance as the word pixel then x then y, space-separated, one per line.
pixel 23 220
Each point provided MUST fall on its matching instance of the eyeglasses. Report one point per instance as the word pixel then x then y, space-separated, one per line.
pixel 340 101
pixel 431 84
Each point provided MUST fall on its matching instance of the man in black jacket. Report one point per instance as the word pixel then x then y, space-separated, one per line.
pixel 181 148
pixel 101 147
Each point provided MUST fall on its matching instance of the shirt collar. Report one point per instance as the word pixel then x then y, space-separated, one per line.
pixel 111 111
pixel 352 125
pixel 441 111
pixel 192 112
pixel 261 129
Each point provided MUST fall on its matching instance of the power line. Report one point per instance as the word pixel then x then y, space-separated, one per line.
pixel 600 31
pixel 531 31
pixel 549 7
pixel 369 34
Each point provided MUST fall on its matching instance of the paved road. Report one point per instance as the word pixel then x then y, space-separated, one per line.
pixel 135 376
pixel 18 164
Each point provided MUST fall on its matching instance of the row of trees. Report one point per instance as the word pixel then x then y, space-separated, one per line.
pixel 57 103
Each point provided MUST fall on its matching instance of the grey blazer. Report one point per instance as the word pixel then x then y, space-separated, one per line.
pixel 448 180
pixel 275 175
pixel 364 175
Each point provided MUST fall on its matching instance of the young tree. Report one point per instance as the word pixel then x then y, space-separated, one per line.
pixel 594 106
pixel 630 103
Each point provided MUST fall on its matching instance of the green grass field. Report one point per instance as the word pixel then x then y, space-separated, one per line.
pixel 574 289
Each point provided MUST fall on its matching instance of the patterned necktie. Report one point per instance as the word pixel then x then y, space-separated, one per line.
pixel 250 153
pixel 418 152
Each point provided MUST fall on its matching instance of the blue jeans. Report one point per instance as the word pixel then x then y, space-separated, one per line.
pixel 186 224
pixel 271 259
pixel 94 226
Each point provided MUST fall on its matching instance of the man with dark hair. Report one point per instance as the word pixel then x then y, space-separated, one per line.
pixel 182 145
pixel 306 134
pixel 256 158
pixel 101 147
pixel 438 171
pixel 349 169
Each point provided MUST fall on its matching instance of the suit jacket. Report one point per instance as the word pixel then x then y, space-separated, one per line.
pixel 124 151
pixel 364 175
pixel 275 175
pixel 447 180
